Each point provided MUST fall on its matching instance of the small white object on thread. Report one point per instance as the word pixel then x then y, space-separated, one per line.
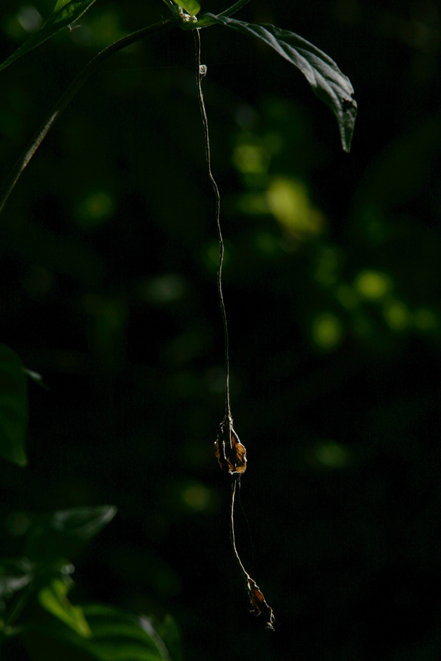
pixel 203 70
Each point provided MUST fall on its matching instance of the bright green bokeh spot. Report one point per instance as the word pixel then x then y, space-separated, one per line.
pixel 327 331
pixel 397 315
pixel 373 285
pixel 250 159
pixel 289 202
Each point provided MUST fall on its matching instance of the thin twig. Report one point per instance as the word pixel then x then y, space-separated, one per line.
pixel 230 452
pixel 201 71
pixel 232 532
pixel 68 95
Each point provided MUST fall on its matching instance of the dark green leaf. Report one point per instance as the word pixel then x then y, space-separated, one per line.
pixel 65 13
pixel 116 636
pixel 13 407
pixel 64 533
pixel 324 76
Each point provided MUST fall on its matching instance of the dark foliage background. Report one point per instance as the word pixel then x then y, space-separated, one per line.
pixel 332 286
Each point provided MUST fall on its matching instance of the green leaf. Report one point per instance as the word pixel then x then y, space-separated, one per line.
pixel 65 13
pixel 116 636
pixel 119 635
pixel 84 522
pixel 324 76
pixel 13 407
pixel 191 6
pixel 64 533
pixel 54 599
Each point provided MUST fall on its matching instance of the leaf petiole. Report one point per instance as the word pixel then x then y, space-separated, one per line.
pixel 207 19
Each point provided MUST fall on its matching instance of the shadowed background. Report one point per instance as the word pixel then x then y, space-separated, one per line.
pixel 332 287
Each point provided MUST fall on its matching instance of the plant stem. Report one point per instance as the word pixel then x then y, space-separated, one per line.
pixel 69 94
pixel 245 574
pixel 200 73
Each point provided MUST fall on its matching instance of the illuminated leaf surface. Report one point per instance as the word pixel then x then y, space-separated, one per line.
pixel 190 6
pixel 54 599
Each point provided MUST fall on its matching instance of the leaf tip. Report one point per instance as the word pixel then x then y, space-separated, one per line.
pixel 347 122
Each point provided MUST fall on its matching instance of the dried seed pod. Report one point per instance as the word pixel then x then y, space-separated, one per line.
pixel 232 457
